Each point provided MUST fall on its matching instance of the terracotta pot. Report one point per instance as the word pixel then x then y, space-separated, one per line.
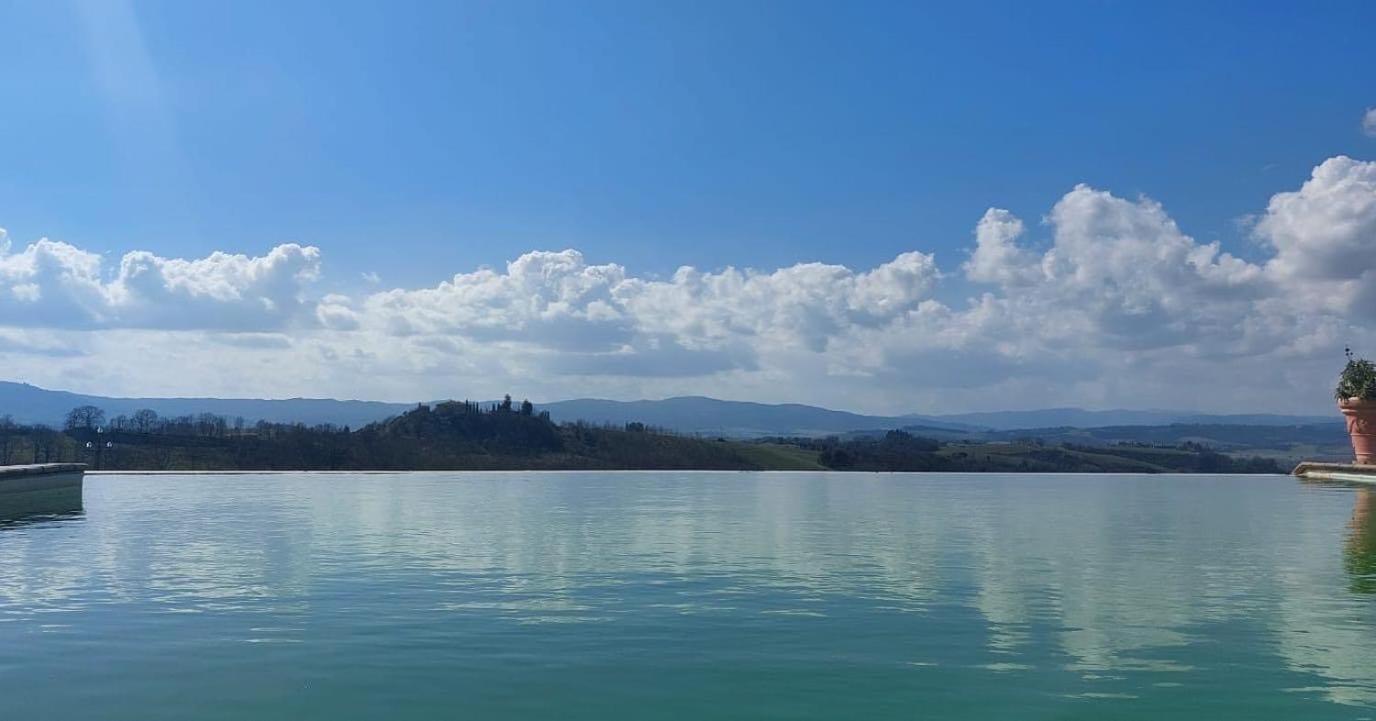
pixel 1361 426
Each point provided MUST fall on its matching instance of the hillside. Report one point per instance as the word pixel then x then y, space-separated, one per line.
pixel 445 436
pixel 463 436
pixel 689 414
pixel 1081 418
pixel 901 451
pixel 1286 444
pixel 30 404
pixel 737 419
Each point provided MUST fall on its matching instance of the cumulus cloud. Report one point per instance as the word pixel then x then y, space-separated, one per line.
pixel 557 300
pixel 1115 305
pixel 336 312
pixel 1324 236
pixel 997 258
pixel 544 298
pixel 806 305
pixel 1119 274
pixel 54 284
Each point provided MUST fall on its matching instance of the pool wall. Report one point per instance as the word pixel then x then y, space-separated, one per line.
pixel 40 478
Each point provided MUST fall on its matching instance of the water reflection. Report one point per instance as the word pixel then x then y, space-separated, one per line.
pixel 22 509
pixel 1119 584
pixel 1361 543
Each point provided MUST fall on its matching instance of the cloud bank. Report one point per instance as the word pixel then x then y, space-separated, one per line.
pixel 52 284
pixel 1110 304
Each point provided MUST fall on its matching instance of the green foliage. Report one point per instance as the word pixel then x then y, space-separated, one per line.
pixel 895 451
pixel 466 436
pixel 1358 379
pixel 899 451
pixel 781 456
pixel 445 436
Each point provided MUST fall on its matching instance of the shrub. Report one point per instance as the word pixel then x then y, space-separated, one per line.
pixel 1358 379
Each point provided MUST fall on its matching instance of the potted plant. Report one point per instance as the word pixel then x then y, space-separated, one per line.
pixel 1356 396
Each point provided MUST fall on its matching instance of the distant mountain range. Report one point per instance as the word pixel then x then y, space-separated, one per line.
pixel 710 416
pixel 692 414
pixel 31 404
pixel 1324 440
pixel 695 414
pixel 1081 418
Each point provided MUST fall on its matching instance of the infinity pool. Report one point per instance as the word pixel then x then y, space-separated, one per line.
pixel 691 596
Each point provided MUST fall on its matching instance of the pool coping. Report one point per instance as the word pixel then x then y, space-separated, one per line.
pixel 38 477
pixel 1347 472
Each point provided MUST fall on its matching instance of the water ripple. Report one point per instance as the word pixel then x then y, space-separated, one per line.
pixel 585 595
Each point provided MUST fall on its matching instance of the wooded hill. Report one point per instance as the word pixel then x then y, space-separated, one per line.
pixel 456 435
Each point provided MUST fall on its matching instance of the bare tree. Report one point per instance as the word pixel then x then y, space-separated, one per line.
pixel 145 420
pixel 7 429
pixel 44 440
pixel 84 418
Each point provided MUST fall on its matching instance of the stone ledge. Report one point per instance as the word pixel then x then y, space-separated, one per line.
pixel 1351 472
pixel 35 469
pixel 40 477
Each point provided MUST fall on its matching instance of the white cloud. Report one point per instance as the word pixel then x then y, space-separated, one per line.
pixel 997 257
pixel 556 300
pixel 804 306
pixel 55 284
pixel 1119 274
pixel 336 313
pixel 23 342
pixel 552 299
pixel 1324 236
pixel 1118 307
pixel 1369 122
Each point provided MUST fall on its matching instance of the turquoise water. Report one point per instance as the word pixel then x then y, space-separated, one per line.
pixel 691 596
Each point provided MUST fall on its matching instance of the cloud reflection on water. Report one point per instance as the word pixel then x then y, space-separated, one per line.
pixel 1101 577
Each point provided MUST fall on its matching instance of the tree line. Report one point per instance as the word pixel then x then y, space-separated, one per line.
pixel 446 435
pixel 456 435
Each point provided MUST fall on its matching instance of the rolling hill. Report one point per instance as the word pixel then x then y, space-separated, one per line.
pixel 738 419
pixel 689 414
pixel 1081 418
pixel 31 404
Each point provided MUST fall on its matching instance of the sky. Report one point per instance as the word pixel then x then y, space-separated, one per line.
pixel 890 208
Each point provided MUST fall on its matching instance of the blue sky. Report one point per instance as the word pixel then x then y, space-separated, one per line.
pixel 416 141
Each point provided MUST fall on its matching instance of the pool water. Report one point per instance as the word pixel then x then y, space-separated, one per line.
pixel 691 596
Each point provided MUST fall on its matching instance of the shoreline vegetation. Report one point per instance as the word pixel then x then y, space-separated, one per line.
pixel 461 435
